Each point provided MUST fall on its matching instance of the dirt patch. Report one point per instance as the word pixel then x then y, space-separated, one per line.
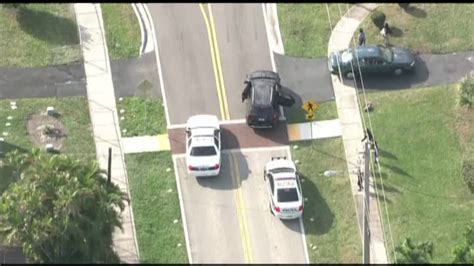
pixel 44 129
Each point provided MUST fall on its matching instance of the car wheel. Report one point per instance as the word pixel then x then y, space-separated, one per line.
pixel 350 75
pixel 398 71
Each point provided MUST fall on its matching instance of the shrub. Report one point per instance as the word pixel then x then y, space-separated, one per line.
pixel 378 18
pixel 468 173
pixel 467 91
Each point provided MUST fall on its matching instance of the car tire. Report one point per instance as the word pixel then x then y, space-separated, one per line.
pixel 349 75
pixel 398 71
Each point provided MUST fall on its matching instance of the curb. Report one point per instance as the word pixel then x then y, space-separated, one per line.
pixel 144 22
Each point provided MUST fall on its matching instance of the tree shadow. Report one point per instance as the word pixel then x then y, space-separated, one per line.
pixel 48 27
pixel 396 32
pixel 416 12
pixel 316 208
pixel 7 173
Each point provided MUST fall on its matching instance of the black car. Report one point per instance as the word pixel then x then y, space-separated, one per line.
pixel 263 94
pixel 372 59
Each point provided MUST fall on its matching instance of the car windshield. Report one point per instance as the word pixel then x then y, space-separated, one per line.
pixel 387 54
pixel 203 151
pixel 287 195
pixel 282 170
pixel 346 56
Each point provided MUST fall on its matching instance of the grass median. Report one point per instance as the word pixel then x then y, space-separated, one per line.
pixel 306 28
pixel 37 35
pixel 122 30
pixel 426 28
pixel 418 134
pixel 142 116
pixel 330 220
pixel 156 208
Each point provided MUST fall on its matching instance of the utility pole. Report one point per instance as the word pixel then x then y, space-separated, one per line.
pixel 366 228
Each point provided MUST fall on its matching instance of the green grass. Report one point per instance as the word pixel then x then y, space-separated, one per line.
pixel 38 35
pixel 427 28
pixel 305 28
pixel 421 156
pixel 143 116
pixel 326 111
pixel 122 30
pixel 74 113
pixel 155 208
pixel 330 203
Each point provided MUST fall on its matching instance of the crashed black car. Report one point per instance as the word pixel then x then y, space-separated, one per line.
pixel 264 96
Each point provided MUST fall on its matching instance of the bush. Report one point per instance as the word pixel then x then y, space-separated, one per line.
pixel 468 173
pixel 378 18
pixel 404 5
pixel 467 91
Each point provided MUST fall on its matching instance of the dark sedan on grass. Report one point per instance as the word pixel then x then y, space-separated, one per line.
pixel 372 59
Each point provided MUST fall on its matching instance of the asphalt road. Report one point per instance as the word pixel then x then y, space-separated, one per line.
pixel 212 210
pixel 227 217
pixel 243 48
pixel 185 56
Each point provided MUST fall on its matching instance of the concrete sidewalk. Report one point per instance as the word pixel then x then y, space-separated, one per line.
pixel 352 129
pixel 314 130
pixel 103 112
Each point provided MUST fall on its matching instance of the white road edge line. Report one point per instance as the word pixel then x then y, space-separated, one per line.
pixel 270 47
pixel 142 33
pixel 158 62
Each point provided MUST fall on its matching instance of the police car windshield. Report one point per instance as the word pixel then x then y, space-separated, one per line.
pixel 282 170
pixel 203 151
pixel 287 195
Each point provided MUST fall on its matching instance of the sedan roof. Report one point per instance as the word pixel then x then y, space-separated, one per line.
pixel 367 51
pixel 262 91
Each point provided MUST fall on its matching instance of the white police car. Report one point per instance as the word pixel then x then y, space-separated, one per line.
pixel 284 188
pixel 203 145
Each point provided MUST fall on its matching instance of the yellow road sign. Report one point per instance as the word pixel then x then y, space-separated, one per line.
pixel 310 106
pixel 310 116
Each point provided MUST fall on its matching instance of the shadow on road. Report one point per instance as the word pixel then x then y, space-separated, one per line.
pixel 48 27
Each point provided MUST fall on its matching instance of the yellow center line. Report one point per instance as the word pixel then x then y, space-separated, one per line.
pixel 219 66
pixel 241 212
pixel 214 65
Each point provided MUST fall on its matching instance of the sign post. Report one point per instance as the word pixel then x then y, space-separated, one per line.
pixel 310 107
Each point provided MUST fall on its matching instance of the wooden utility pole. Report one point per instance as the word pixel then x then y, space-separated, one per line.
pixel 366 228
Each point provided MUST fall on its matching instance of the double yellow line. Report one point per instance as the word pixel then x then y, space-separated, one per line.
pixel 216 62
pixel 224 108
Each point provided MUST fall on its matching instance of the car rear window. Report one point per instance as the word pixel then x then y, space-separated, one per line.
pixel 203 151
pixel 287 195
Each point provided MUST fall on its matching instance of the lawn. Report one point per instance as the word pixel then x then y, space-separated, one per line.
pixel 122 30
pixel 417 131
pixel 305 28
pixel 330 204
pixel 326 111
pixel 38 35
pixel 156 208
pixel 74 114
pixel 427 28
pixel 142 116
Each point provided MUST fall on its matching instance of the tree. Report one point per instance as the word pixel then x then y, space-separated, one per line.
pixel 60 210
pixel 464 252
pixel 410 252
